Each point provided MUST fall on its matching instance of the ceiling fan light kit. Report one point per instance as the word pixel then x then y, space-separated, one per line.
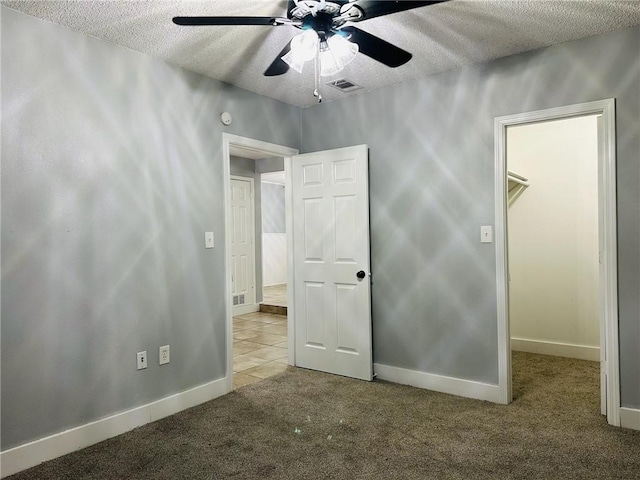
pixel 327 37
pixel 304 47
pixel 339 53
pixel 334 53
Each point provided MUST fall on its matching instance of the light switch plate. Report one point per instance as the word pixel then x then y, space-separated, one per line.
pixel 486 234
pixel 208 240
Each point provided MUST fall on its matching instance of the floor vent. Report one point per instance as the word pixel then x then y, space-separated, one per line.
pixel 238 300
pixel 344 85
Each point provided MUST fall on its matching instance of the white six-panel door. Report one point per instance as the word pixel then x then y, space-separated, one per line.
pixel 331 245
pixel 242 244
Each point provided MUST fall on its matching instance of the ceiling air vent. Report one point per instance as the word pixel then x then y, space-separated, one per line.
pixel 344 85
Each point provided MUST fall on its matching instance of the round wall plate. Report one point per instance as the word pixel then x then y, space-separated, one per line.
pixel 225 118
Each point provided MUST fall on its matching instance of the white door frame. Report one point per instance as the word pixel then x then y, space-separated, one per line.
pixel 269 150
pixel 253 306
pixel 608 247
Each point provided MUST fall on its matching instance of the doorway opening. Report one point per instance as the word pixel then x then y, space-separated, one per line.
pixel 328 321
pixel 552 232
pixel 274 242
pixel 556 241
pixel 259 344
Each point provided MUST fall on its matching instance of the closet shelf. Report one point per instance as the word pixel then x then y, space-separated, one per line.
pixel 516 180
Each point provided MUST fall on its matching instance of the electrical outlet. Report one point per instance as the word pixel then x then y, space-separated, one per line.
pixel 163 354
pixel 142 360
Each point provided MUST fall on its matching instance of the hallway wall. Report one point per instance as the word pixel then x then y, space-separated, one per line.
pixel 274 237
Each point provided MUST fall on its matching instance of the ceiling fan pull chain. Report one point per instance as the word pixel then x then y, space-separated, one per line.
pixel 316 61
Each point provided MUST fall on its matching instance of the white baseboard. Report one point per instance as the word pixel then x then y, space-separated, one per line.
pixel 31 454
pixel 630 418
pixel 439 383
pixel 244 309
pixel 557 349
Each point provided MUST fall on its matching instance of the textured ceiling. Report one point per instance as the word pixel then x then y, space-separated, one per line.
pixel 441 37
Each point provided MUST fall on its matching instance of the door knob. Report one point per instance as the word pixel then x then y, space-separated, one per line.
pixel 361 274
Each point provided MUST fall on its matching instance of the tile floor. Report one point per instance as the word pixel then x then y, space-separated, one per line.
pixel 275 295
pixel 259 347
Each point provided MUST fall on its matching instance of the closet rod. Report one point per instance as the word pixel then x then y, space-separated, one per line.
pixel 514 177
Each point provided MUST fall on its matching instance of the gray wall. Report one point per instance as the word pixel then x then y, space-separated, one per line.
pixel 431 167
pixel 111 173
pixel 273 208
pixel 267 165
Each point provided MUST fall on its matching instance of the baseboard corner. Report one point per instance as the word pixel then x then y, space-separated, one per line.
pixel 557 349
pixel 30 454
pixel 244 309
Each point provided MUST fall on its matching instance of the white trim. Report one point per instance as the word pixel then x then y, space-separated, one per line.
pixel 558 349
pixel 244 309
pixel 275 284
pixel 438 383
pixel 609 284
pixel 31 454
pixel 607 227
pixel 630 418
pixel 288 207
pixel 502 275
pixel 269 150
pixel 601 270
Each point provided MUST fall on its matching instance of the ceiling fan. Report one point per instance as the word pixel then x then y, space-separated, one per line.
pixel 327 35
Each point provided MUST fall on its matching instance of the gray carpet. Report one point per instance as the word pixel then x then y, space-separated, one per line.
pixel 307 425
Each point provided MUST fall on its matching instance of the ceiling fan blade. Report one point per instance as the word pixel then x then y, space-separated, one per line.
pixel 278 66
pixel 232 21
pixel 376 8
pixel 377 48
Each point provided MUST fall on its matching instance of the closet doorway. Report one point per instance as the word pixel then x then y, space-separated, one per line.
pixel 552 237
pixel 555 240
